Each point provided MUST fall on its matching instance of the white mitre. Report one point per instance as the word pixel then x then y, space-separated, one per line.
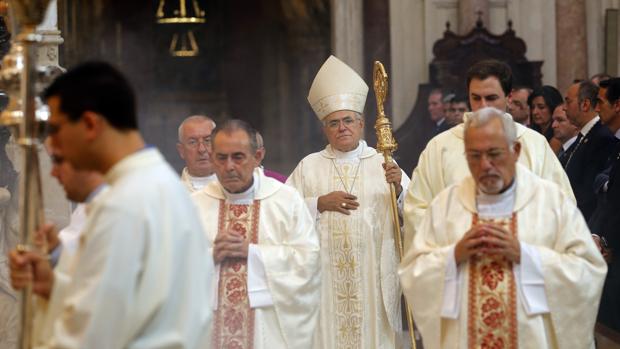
pixel 337 87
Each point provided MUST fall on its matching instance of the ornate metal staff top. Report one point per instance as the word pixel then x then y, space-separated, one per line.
pixel 383 126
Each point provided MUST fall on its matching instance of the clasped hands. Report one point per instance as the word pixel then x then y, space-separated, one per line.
pixel 340 201
pixel 487 238
pixel 229 244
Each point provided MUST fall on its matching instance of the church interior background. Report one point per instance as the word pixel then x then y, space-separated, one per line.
pixel 255 60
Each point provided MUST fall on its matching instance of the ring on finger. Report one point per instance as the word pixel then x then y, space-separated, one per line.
pixel 344 205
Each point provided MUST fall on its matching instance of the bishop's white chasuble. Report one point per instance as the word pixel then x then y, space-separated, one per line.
pixel 360 292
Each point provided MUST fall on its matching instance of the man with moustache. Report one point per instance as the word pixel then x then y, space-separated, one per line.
pixel 193 146
pixel 503 258
pixel 265 250
pixel 442 163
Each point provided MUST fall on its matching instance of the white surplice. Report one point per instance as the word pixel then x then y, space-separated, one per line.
pixel 360 292
pixel 194 184
pixel 283 266
pixel 559 279
pixel 139 278
pixel 443 163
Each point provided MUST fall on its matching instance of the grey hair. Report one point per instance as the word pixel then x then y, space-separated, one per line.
pixel 588 90
pixel 193 118
pixel 485 115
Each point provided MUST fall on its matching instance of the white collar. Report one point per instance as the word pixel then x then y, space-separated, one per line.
pixel 569 142
pixel 587 127
pixel 618 133
pixel 496 205
pixel 133 162
pixel 245 198
pixel 438 123
pixel 349 155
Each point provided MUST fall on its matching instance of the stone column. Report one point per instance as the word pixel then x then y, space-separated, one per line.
pixel 48 50
pixel 572 49
pixel 470 11
pixel 347 24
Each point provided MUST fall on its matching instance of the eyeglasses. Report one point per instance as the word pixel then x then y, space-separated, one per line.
pixel 195 143
pixel 492 155
pixel 334 124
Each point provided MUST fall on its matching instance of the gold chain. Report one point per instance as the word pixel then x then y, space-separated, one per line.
pixel 354 178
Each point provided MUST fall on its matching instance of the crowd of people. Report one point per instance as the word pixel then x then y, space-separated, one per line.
pixel 508 224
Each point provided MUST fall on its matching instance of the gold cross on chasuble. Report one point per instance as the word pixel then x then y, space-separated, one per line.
pixel 492 307
pixel 234 319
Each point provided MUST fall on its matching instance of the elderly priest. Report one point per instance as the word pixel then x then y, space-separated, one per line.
pixel 265 250
pixel 346 186
pixel 503 258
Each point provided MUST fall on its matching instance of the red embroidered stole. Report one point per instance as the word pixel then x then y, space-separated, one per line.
pixel 492 313
pixel 234 319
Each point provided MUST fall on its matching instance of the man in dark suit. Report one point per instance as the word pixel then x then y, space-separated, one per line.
pixel 595 143
pixel 437 111
pixel 605 221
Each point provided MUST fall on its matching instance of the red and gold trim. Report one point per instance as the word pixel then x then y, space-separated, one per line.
pixel 492 314
pixel 234 319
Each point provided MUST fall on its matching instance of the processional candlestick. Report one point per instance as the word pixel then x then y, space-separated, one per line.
pixel 22 79
pixel 386 145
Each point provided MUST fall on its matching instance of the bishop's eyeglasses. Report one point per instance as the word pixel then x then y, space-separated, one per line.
pixel 334 124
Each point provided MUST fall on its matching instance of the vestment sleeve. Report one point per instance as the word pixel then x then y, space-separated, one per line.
pixel 574 272
pixel 291 263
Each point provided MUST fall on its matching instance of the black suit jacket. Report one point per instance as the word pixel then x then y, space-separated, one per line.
pixel 588 160
pixel 443 127
pixel 606 222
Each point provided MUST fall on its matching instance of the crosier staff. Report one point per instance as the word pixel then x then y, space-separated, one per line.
pixel 19 77
pixel 386 145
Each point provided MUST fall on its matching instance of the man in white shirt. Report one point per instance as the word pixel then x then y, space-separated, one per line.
pixel 265 249
pixel 81 187
pixel 139 277
pixel 503 258
pixel 193 146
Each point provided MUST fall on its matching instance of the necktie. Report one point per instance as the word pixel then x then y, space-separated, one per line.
pixel 568 154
